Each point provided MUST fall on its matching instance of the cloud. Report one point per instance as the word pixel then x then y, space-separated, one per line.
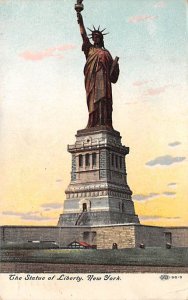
pixel 139 82
pixel 53 205
pixel 156 91
pixel 11 213
pixel 58 180
pixel 172 184
pixel 169 194
pixel 35 215
pixel 165 160
pixel 141 197
pixel 131 102
pixel 36 218
pixel 160 4
pixel 50 52
pixel 150 196
pixel 34 56
pixel 155 217
pixel 138 19
pixel 28 215
pixel 174 144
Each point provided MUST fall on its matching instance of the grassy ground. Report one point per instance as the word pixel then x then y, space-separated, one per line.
pixel 127 257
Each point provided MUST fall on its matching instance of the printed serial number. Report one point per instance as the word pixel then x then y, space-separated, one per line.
pixel 167 277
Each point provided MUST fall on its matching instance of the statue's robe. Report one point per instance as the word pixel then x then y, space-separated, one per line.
pixel 98 80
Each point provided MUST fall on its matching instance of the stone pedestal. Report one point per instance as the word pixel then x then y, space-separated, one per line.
pixel 98 193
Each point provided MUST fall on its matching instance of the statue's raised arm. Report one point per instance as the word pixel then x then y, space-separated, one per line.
pixel 79 7
pixel 82 27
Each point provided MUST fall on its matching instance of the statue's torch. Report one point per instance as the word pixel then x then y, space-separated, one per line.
pixel 79 6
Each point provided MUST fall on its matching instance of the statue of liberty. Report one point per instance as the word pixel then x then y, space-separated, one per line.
pixel 100 71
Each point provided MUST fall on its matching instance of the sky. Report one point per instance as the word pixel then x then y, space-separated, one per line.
pixel 43 104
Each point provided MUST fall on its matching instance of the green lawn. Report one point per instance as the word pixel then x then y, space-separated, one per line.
pixel 136 256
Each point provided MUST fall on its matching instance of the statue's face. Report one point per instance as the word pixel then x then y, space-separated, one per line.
pixel 96 39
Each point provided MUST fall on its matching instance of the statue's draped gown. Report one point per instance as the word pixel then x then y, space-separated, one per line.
pixel 98 84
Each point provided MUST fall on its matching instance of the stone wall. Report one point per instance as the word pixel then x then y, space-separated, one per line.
pixel 179 236
pixel 126 236
pixel 151 236
pixel 29 233
pixel 103 237
pixel 123 236
pixel 62 235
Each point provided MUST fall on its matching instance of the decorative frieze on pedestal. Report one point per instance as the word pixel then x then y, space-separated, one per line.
pixel 98 192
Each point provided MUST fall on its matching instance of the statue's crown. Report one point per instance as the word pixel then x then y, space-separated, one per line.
pixel 97 31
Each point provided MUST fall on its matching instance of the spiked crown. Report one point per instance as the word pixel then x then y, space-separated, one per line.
pixel 97 31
